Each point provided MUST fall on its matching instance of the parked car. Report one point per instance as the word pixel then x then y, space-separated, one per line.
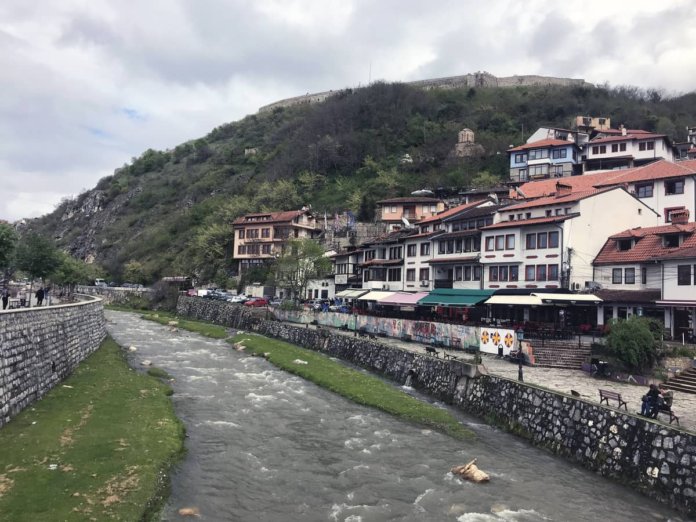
pixel 100 282
pixel 240 298
pixel 257 302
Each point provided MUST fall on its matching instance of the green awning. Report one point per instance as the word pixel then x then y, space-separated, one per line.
pixel 455 297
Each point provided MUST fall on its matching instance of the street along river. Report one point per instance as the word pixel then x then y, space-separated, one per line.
pixel 264 445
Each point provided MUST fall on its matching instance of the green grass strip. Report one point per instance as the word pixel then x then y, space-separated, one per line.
pixel 96 447
pixel 206 329
pixel 359 387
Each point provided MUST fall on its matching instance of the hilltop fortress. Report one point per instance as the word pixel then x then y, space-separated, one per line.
pixel 478 79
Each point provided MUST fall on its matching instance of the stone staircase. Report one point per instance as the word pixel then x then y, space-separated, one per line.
pixel 560 354
pixel 684 382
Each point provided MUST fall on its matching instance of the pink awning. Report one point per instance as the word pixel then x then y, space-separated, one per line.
pixel 403 298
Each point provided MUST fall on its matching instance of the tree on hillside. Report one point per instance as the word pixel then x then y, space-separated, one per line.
pixel 37 256
pixel 71 272
pixel 8 242
pixel 134 272
pixel 302 260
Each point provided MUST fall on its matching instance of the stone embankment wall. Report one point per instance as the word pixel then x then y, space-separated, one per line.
pixel 39 347
pixel 113 294
pixel 658 460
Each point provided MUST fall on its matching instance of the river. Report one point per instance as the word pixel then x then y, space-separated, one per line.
pixel 264 445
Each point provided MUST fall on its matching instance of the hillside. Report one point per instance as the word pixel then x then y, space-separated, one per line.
pixel 170 210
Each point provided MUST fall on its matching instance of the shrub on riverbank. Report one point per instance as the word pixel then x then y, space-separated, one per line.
pixel 362 388
pixel 97 447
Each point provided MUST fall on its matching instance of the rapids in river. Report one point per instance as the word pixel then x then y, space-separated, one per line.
pixel 264 445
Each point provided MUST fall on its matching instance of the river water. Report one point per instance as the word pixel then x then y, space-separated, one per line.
pixel 264 445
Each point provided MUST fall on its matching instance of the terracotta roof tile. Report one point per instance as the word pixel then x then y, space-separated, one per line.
pixel 541 144
pixel 450 212
pixel 630 136
pixel 661 169
pixel 552 200
pixel 529 222
pixel 649 245
pixel 410 199
pixel 273 217
pixel 628 296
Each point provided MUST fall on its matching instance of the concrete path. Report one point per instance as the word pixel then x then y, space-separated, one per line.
pixel 566 380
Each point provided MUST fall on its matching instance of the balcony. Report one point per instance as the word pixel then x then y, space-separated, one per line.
pixel 443 283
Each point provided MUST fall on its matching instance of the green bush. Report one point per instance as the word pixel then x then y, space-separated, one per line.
pixel 632 342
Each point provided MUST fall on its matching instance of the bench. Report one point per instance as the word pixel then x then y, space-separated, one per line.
pixel 605 395
pixel 450 356
pixel 432 351
pixel 667 411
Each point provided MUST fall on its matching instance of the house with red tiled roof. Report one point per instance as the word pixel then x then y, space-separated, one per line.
pixel 650 271
pixel 550 242
pixel 547 158
pixel 392 211
pixel 624 148
pixel 261 236
pixel 664 186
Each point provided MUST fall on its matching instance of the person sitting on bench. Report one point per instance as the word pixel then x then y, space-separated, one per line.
pixel 663 402
pixel 649 401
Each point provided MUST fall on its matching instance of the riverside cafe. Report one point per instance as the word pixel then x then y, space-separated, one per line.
pixel 548 312
pixel 442 304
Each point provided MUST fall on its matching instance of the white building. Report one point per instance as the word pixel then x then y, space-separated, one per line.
pixel 623 148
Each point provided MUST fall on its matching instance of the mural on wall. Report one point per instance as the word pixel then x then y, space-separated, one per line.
pixel 492 339
pixel 420 331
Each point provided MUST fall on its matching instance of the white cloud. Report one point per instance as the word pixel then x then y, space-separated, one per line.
pixel 87 84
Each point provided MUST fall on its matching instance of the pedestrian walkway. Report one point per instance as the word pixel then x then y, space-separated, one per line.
pixel 563 380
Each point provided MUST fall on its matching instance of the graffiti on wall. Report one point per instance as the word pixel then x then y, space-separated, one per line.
pixel 419 331
pixel 493 339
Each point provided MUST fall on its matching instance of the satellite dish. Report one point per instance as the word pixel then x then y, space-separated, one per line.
pixel 423 192
pixel 406 222
pixel 494 197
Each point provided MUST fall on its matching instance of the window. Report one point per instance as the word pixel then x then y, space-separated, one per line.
pixel 644 275
pixel 541 240
pixel 514 272
pixel 493 273
pixel 538 154
pixel 629 276
pixel 541 273
pixel 458 246
pixel 241 249
pixel 411 250
pixel 523 174
pixel 622 147
pixel 458 273
pixel 477 273
pixel 501 273
pixel 671 241
pixel 623 244
pixel 467 273
pixel 441 247
pixel 538 170
pixel 531 241
pixel 395 252
pixel 433 209
pixel 601 149
pixel 553 272
pixel 529 272
pixel 500 242
pixel 520 158
pixel 266 232
pixel 559 153
pixel 651 145
pixel 393 209
pixel 683 275
pixel 509 242
pixel 394 274
pixel 553 239
pixel 641 146
pixel 674 187
pixel 253 233
pixel 559 211
pixel 644 190
pixel 549 213
pixel 615 147
pixel 425 249
pixel 595 150
pixel 241 233
pixel 265 249
pixel 616 275
pixel 490 243
pixel 450 246
pixel 424 274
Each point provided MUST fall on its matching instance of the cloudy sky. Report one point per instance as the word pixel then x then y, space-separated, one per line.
pixel 87 84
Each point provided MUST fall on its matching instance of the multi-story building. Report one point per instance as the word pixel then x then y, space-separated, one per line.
pixel 393 211
pixel 550 242
pixel 347 269
pixel 383 261
pixel 625 148
pixel 556 133
pixel 547 158
pixel 650 271
pixel 261 237
pixel 456 247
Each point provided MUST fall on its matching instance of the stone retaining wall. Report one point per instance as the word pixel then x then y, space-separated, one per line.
pixel 655 459
pixel 39 347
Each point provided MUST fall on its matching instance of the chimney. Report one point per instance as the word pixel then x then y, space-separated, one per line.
pixel 563 190
pixel 680 217
pixel 622 129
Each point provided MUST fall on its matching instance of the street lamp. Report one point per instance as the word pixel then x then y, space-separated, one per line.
pixel 520 338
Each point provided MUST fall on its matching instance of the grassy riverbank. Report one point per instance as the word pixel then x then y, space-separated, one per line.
pixel 97 447
pixel 357 386
pixel 206 329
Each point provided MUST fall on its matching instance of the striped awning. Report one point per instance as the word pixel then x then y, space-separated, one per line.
pixel 351 293
pixel 374 295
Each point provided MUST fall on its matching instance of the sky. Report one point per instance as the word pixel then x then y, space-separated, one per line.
pixel 86 85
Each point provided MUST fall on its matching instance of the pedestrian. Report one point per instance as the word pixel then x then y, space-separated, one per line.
pixel 39 296
pixel 649 401
pixel 5 297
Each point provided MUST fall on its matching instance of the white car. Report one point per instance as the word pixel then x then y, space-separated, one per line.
pixel 241 298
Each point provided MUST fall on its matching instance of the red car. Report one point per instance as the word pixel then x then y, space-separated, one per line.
pixel 257 301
